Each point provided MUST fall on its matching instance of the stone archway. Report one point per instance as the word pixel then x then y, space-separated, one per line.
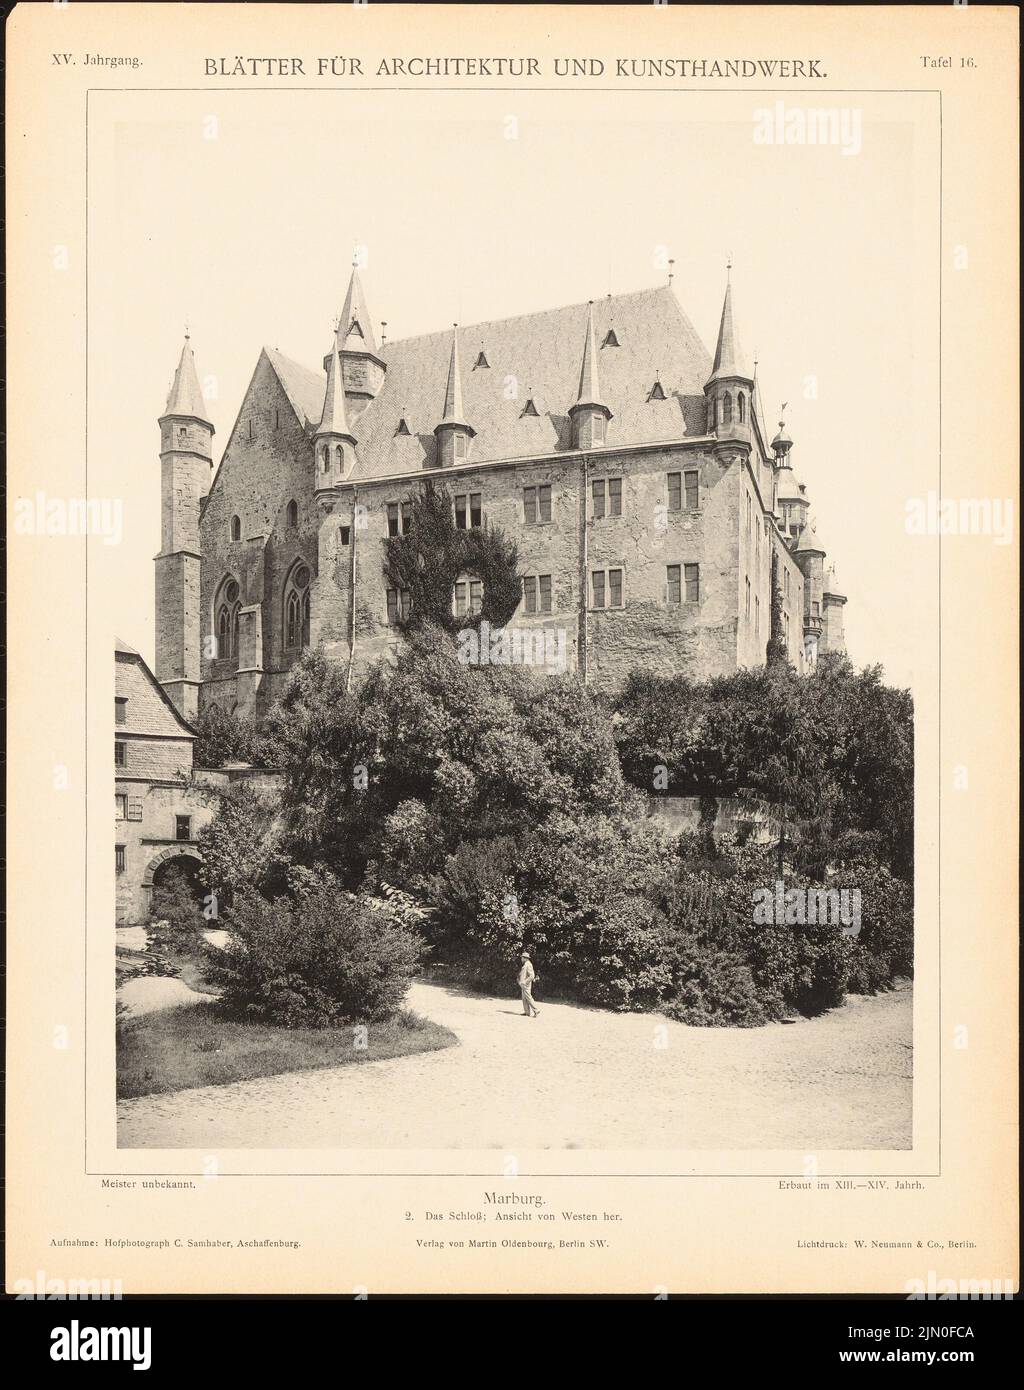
pixel 187 856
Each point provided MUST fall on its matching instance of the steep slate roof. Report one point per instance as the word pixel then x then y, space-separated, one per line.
pixel 305 388
pixel 149 710
pixel 542 353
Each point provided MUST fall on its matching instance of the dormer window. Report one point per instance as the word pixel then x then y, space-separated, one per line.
pixel 402 428
pixel 610 339
pixel 356 329
pixel 120 709
pixel 529 409
pixel 657 392
pixel 481 361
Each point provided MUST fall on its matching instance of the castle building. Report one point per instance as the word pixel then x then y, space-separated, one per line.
pixel 633 470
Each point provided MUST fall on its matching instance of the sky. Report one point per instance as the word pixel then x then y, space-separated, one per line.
pixel 239 213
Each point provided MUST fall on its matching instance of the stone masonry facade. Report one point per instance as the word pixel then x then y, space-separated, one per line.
pixel 633 470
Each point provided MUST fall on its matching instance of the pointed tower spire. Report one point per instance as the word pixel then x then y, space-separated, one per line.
pixel 453 389
pixel 453 433
pixel 355 327
pixel 728 355
pixel 334 443
pixel 730 387
pixel 588 413
pixel 355 342
pixel 185 398
pixel 333 420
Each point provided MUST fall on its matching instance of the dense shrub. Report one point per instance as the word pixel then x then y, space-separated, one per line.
pixel 580 895
pixel 320 959
pixel 711 987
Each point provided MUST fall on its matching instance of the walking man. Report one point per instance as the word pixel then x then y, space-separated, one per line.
pixel 527 976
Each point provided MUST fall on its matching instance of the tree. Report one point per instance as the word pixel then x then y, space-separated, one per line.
pixel 238 845
pixel 228 738
pixel 430 752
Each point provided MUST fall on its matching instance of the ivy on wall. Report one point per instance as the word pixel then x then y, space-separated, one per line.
pixel 433 554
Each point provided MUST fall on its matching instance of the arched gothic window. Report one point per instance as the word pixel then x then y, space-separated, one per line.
pixel 741 407
pixel 296 607
pixel 236 528
pixel 226 608
pixel 339 457
pixel 727 419
pixel 293 513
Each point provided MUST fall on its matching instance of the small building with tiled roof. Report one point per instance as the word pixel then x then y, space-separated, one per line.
pixel 632 469
pixel 161 801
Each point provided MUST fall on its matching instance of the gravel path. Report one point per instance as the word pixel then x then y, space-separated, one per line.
pixel 147 993
pixel 573 1078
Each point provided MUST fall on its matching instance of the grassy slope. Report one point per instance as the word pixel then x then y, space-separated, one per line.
pixel 176 1049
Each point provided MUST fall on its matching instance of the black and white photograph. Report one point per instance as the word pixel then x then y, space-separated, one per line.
pixel 517 506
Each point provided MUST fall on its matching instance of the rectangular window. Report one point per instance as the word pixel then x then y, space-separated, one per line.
pixel 815 608
pixel 476 595
pixel 392 607
pixel 691 573
pixel 119 859
pixel 120 806
pixel 120 709
pixel 597 491
pixel 614 496
pixel 675 492
pixel 406 518
pixel 746 609
pixel 692 490
pixel 675 579
pixel 476 511
pixel 545 593
pixel 120 753
pixel 598 585
pixel 614 588
pixel 537 504
pixel 344 535
pixel 459 604
pixel 135 808
pixel 393 519
pixel 460 512
pixel 757 614
pixel 404 604
pixel 530 593
pixel 183 827
pixel 785 581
